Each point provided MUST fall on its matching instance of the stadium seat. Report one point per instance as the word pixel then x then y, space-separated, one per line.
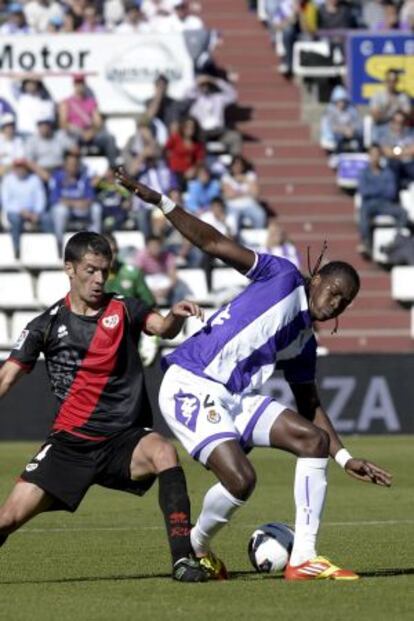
pixel 383 236
pixel 4 333
pixel 7 258
pixel 349 169
pixel 19 321
pixel 402 283
pixel 254 238
pixel 16 291
pixel 407 201
pixel 412 322
pixel 51 287
pixel 128 239
pixel 195 279
pixel 121 129
pixel 227 278
pixel 39 250
pixel 96 164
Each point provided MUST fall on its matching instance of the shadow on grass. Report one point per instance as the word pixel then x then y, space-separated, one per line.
pixel 236 575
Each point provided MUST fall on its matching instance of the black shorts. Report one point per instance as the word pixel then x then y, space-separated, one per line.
pixel 66 466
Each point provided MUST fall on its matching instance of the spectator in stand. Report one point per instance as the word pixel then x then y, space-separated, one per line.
pixel 33 103
pixel 159 268
pixel 116 204
pixel 76 8
pixel 155 171
pixel 407 16
pixel 134 20
pixel 141 145
pixel 80 118
pixel 45 150
pixel 335 15
pixel 387 101
pixel 23 198
pixel 185 150
pixel 241 192
pixel 11 145
pixel 113 12
pixel 180 19
pixel 72 198
pixel 292 18
pixel 341 125
pixel 378 190
pixel 163 107
pixel 156 8
pixel 16 22
pixel 126 280
pixel 39 14
pixel 201 191
pixel 216 217
pixel 373 14
pixel 69 22
pixel 92 21
pixel 397 142
pixel 211 97
pixel 278 244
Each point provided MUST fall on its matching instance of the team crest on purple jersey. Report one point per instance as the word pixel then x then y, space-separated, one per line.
pixel 187 408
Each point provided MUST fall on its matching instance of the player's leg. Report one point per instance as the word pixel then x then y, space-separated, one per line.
pixel 24 502
pixel 197 412
pixel 292 432
pixel 271 424
pixel 155 455
pixel 237 480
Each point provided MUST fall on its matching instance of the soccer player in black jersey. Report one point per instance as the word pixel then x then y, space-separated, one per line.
pixel 101 433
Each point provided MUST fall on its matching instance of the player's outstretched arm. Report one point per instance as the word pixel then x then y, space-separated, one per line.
pixel 199 233
pixel 309 406
pixel 10 372
pixel 169 326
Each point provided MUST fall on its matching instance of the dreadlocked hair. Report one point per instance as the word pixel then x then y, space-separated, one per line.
pixel 334 269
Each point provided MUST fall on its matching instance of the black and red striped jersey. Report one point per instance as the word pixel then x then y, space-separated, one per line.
pixel 93 365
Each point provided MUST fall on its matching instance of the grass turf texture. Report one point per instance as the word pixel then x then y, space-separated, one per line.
pixel 110 560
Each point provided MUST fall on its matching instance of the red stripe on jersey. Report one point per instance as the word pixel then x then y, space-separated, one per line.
pixel 22 365
pixel 95 370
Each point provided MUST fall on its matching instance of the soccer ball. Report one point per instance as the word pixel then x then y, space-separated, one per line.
pixel 270 546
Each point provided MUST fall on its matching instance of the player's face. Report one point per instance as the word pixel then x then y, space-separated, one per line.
pixel 88 277
pixel 329 297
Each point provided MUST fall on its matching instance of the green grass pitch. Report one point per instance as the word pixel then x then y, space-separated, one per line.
pixel 110 560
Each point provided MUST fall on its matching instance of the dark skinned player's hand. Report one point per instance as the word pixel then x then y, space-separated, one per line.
pixel 139 189
pixel 367 471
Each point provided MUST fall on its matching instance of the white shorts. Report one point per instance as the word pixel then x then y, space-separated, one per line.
pixel 202 414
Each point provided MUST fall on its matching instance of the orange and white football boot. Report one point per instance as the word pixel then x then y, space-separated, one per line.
pixel 319 568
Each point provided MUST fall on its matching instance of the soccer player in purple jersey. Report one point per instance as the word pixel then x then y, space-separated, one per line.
pixel 101 433
pixel 208 394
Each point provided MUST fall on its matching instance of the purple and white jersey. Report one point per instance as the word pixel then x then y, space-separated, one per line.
pixel 267 326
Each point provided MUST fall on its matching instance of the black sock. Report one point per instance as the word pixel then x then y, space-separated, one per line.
pixel 3 539
pixel 175 505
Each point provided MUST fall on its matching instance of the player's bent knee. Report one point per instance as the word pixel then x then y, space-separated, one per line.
pixel 164 455
pixel 9 520
pixel 241 483
pixel 317 443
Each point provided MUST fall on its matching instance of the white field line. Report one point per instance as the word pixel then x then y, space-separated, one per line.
pixel 29 531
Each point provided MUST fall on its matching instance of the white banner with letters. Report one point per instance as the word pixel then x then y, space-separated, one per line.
pixel 120 69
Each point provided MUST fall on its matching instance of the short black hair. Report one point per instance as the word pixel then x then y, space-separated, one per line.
pixel 340 269
pixel 83 242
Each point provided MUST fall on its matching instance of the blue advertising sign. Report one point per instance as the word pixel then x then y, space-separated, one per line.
pixel 369 58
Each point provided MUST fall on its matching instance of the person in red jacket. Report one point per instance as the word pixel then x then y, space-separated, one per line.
pixel 185 150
